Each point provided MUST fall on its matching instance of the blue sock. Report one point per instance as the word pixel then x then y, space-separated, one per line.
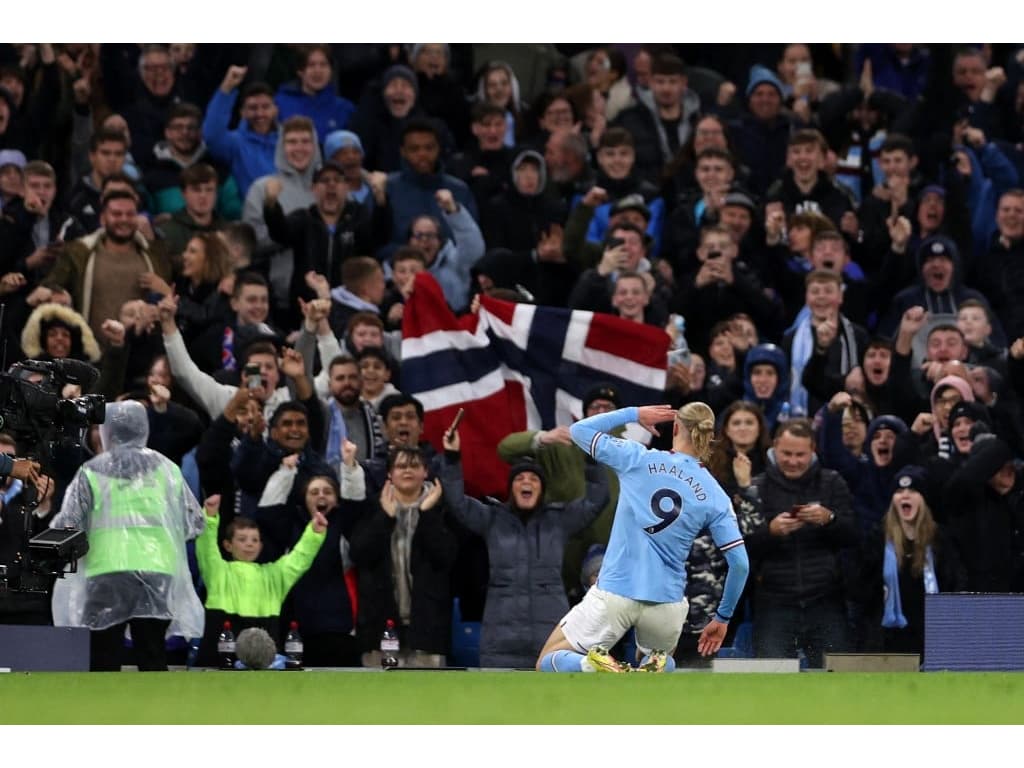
pixel 562 661
pixel 670 663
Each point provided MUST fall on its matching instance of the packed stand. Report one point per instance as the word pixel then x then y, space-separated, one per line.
pixel 230 234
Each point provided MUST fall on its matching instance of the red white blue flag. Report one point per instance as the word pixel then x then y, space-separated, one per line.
pixel 515 367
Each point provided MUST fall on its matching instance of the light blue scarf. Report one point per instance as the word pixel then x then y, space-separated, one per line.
pixel 893 617
pixel 336 434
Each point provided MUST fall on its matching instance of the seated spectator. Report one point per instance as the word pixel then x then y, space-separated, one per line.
pixel 240 590
pixel 183 148
pixel 526 540
pixel 405 553
pixel 251 148
pixel 312 94
pixel 198 215
pixel 909 556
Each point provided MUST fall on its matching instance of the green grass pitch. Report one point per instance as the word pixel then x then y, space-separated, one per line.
pixel 403 698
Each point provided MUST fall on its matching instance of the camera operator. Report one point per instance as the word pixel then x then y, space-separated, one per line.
pixel 21 482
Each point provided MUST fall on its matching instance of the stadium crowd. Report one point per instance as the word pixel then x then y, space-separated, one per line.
pixel 230 234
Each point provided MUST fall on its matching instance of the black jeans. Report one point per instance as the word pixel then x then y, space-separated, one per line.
pixel 820 627
pixel 107 650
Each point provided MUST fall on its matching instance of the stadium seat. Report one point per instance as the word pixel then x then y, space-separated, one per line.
pixel 465 651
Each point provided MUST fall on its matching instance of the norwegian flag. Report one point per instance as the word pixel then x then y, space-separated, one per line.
pixel 515 367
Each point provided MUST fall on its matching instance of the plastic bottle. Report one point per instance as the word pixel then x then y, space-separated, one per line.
pixel 293 647
pixel 389 646
pixel 226 647
pixel 680 352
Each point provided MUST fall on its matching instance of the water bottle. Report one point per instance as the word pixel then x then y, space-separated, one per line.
pixel 226 647
pixel 293 647
pixel 680 352
pixel 389 646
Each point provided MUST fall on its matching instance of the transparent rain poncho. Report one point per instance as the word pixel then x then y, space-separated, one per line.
pixel 137 512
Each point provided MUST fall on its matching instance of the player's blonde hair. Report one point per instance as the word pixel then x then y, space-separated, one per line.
pixel 699 421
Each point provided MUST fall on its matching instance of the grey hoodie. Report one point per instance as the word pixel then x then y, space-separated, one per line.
pixel 296 193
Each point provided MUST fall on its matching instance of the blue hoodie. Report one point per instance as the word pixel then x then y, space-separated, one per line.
pixel 328 111
pixel 250 155
pixel 773 355
pixel 870 484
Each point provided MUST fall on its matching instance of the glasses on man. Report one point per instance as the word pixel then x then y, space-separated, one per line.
pixel 947 401
pixel 425 236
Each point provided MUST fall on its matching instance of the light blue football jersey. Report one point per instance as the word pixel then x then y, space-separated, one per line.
pixel 665 500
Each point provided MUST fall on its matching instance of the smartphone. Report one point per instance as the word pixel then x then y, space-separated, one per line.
pixel 803 69
pixel 253 380
pixel 615 242
pixel 455 423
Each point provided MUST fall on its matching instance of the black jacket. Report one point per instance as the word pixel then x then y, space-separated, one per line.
pixel 315 247
pixel 826 197
pixel 804 566
pixel 431 558
pixel 988 528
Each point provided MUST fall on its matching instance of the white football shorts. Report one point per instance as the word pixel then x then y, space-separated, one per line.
pixel 602 618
